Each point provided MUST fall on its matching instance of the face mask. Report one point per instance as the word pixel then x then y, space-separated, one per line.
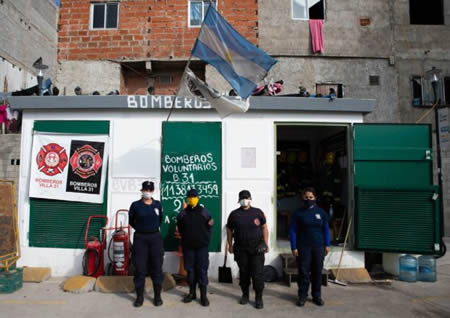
pixel 245 203
pixel 309 203
pixel 192 201
pixel 147 195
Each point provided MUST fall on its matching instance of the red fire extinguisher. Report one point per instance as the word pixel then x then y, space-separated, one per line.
pixel 93 256
pixel 120 242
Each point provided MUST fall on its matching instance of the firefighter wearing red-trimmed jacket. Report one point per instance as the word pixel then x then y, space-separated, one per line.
pixel 247 226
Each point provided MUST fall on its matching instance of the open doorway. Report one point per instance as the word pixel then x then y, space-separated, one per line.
pixel 312 156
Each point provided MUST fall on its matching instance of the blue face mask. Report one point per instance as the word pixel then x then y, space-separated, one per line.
pixel 309 203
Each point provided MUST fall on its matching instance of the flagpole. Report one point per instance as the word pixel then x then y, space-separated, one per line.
pixel 187 64
pixel 178 89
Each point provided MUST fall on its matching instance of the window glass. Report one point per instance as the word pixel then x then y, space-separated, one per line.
pixel 447 90
pixel 99 16
pixel 196 13
pixel 299 9
pixel 316 9
pixel 426 12
pixel 417 90
pixel 111 15
pixel 206 7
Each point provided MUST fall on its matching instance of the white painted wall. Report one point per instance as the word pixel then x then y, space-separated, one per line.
pixel 17 77
pixel 135 149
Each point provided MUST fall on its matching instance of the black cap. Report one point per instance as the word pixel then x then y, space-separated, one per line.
pixel 244 194
pixel 192 193
pixel 148 185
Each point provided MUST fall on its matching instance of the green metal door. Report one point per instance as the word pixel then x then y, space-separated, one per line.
pixel 191 158
pixel 397 205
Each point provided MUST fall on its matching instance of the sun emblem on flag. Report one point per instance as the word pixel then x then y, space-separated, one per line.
pixel 229 56
pixel 86 161
pixel 51 159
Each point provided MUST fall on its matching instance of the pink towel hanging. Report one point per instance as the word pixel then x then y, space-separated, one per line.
pixel 315 26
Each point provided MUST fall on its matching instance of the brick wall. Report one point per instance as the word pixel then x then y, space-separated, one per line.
pixel 148 29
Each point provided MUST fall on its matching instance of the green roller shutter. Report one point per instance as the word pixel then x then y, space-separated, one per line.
pixel 61 224
pixel 397 208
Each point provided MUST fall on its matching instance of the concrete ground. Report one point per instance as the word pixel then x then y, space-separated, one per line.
pixel 397 300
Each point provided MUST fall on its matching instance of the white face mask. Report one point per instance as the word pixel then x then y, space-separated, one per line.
pixel 245 203
pixel 147 195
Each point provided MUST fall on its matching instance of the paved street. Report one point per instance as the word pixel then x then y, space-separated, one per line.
pixel 397 300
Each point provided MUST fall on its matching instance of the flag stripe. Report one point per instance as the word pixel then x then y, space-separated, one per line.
pixel 241 63
pixel 243 86
pixel 231 39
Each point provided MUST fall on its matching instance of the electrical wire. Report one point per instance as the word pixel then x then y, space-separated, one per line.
pixel 427 113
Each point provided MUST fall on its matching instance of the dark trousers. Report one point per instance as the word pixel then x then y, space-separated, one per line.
pixel 310 265
pixel 251 266
pixel 148 255
pixel 196 263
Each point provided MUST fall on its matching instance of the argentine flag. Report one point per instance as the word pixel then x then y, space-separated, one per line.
pixel 241 63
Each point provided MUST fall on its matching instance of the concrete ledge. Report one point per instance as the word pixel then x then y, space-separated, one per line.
pixel 79 284
pixel 125 284
pixel 36 274
pixel 114 284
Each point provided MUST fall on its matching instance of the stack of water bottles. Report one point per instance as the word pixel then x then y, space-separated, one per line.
pixel 413 269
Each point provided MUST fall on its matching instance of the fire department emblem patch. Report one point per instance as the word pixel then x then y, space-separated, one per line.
pixel 52 159
pixel 86 161
pixel 257 222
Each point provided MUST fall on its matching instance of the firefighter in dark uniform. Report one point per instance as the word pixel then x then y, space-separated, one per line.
pixel 145 217
pixel 247 226
pixel 310 242
pixel 194 225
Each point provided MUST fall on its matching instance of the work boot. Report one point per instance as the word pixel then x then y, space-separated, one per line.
pixel 300 302
pixel 245 297
pixel 318 301
pixel 139 297
pixel 258 299
pixel 203 298
pixel 157 299
pixel 192 294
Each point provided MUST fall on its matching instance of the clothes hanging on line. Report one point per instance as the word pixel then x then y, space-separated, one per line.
pixel 316 27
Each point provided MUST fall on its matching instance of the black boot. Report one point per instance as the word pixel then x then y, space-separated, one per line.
pixel 245 297
pixel 203 298
pixel 157 299
pixel 192 294
pixel 139 297
pixel 258 299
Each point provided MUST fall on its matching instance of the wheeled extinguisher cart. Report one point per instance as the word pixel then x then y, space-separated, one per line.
pixel 93 259
pixel 121 247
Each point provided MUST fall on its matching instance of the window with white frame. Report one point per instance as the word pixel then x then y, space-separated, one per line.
pixel 105 15
pixel 308 9
pixel 197 11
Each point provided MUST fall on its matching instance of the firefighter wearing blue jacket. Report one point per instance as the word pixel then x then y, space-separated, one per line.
pixel 194 225
pixel 145 216
pixel 310 242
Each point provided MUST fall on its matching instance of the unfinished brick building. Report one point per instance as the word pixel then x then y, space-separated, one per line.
pixel 137 46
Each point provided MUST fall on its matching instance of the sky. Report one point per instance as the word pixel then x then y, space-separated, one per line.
pixel 57 2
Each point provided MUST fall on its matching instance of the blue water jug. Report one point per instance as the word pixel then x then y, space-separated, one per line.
pixel 427 268
pixel 408 268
